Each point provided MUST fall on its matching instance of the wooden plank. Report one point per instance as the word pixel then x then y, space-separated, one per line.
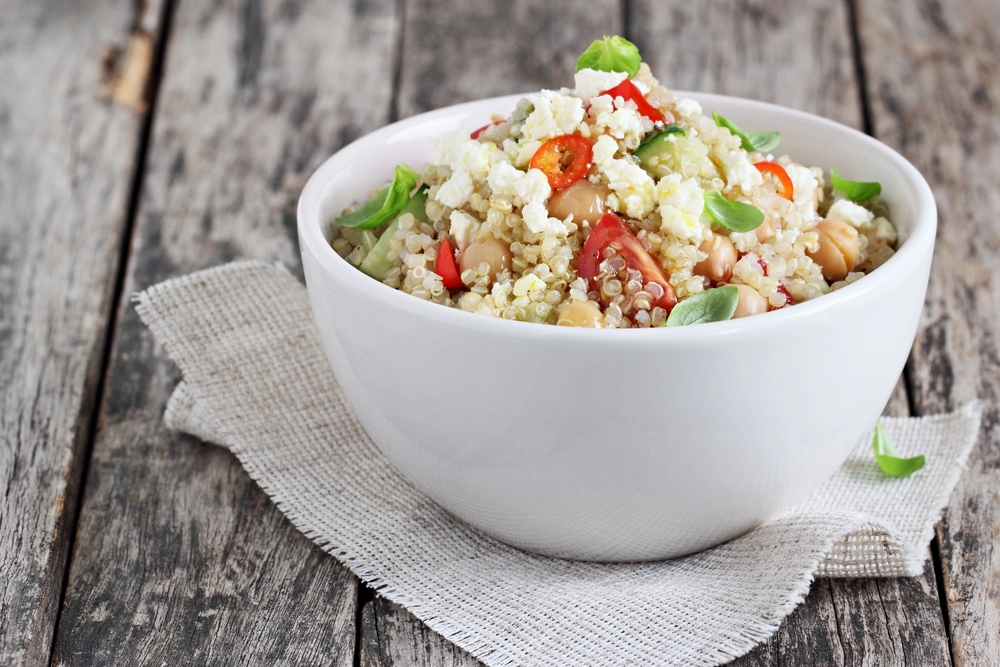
pixel 72 88
pixel 932 70
pixel 180 558
pixel 393 636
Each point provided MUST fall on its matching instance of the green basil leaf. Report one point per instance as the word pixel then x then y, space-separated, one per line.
pixel 417 206
pixel 752 141
pixel 888 458
pixel 732 215
pixel 611 54
pixel 385 205
pixel 857 191
pixel 712 305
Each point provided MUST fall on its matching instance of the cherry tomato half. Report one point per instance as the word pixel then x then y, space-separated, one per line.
pixel 613 230
pixel 564 160
pixel 776 170
pixel 445 267
pixel 627 90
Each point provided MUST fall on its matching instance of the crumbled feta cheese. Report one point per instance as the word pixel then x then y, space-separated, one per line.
pixel 681 203
pixel 528 283
pixel 536 217
pixel 885 230
pixel 456 190
pixel 470 161
pixel 449 146
pixel 740 173
pixel 604 149
pixel 553 115
pixel 619 120
pixel 533 187
pixel 633 187
pixel 590 82
pixel 687 107
pixel 853 214
pixel 502 178
pixel 463 228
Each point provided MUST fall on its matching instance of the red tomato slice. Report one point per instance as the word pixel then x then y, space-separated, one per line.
pixel 564 160
pixel 776 170
pixel 445 267
pixel 627 90
pixel 613 230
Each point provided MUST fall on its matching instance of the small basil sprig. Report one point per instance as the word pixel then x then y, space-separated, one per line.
pixel 385 205
pixel 611 54
pixel 733 215
pixel 752 141
pixel 712 305
pixel 857 191
pixel 888 458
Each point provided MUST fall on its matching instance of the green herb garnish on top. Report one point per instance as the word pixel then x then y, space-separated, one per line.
pixel 752 141
pixel 733 215
pixel 888 458
pixel 385 205
pixel 611 54
pixel 713 305
pixel 857 191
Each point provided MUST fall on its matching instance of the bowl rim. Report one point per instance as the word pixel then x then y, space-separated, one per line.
pixel 312 239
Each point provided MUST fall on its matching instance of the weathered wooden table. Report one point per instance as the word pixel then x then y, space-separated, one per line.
pixel 144 140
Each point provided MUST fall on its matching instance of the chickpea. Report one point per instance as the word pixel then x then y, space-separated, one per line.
pixel 581 314
pixel 765 231
pixel 494 252
pixel 718 266
pixel 751 302
pixel 583 199
pixel 838 248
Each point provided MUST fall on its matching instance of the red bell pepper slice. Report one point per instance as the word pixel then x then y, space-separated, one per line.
pixel 627 90
pixel 445 267
pixel 564 160
pixel 776 170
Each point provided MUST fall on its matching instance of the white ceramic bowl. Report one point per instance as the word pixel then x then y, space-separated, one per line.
pixel 617 444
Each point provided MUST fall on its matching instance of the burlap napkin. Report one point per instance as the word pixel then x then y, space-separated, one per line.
pixel 256 381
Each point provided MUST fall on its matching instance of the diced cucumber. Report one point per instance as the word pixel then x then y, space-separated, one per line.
pixel 375 263
pixel 656 148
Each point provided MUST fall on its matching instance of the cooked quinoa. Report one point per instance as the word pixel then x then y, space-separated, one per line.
pixel 485 198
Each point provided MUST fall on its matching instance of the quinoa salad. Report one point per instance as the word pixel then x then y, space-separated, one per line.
pixel 615 204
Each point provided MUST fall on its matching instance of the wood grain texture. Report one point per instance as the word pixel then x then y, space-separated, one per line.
pixel 797 54
pixel 180 558
pixel 393 637
pixel 67 154
pixel 933 68
pixel 467 50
